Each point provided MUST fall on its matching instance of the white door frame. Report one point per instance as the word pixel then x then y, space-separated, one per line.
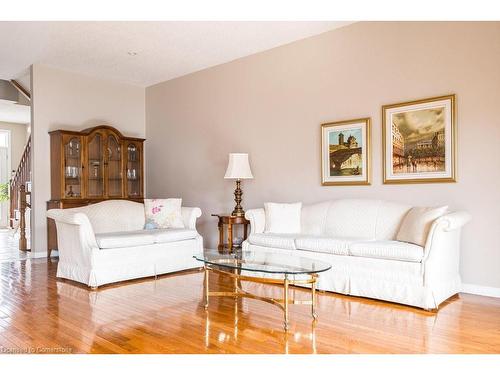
pixel 6 214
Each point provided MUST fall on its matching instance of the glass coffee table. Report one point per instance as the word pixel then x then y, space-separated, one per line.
pixel 266 268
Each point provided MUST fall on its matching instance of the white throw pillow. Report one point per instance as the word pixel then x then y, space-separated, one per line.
pixel 163 213
pixel 417 223
pixel 283 217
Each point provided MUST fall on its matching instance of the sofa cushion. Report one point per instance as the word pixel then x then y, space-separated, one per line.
pixel 313 218
pixel 389 219
pixel 163 213
pixel 282 217
pixel 394 250
pixel 324 244
pixel 352 218
pixel 173 235
pixel 280 241
pixel 112 215
pixel 113 240
pixel 143 237
pixel 417 223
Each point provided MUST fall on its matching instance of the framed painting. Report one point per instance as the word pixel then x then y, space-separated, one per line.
pixel 419 141
pixel 345 152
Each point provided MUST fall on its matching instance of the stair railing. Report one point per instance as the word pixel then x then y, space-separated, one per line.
pixel 18 193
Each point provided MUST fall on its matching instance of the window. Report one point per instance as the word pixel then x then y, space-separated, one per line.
pixel 4 138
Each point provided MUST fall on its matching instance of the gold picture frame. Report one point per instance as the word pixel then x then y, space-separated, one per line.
pixel 351 141
pixel 419 141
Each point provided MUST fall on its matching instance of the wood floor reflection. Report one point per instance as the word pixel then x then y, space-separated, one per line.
pixel 42 314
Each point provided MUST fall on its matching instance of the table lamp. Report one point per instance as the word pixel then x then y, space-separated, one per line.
pixel 238 168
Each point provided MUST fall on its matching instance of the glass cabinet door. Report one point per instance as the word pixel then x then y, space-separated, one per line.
pixel 72 167
pixel 134 170
pixel 114 167
pixel 95 171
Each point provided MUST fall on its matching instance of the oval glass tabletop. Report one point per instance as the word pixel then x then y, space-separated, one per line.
pixel 262 261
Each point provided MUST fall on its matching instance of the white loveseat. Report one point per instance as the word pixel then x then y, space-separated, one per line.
pixel 357 237
pixel 105 242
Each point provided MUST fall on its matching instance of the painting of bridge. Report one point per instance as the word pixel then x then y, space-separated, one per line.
pixel 345 162
pixel 344 152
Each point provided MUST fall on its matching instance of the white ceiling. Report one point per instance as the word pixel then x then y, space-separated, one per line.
pixel 14 113
pixel 165 50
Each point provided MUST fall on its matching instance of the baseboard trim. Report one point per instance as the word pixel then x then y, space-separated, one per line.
pixel 481 290
pixel 41 254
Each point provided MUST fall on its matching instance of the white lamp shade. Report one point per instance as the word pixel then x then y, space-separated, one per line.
pixel 238 167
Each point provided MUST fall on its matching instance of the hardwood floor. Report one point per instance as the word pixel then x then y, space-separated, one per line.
pixel 9 246
pixel 40 313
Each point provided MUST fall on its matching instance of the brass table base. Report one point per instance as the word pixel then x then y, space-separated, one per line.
pixel 281 303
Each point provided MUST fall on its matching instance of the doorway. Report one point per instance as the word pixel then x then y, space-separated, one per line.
pixel 15 172
pixel 5 174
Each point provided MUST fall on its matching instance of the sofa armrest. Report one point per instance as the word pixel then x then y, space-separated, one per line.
pixel 257 217
pixel 447 223
pixel 442 249
pixel 453 221
pixel 66 219
pixel 189 216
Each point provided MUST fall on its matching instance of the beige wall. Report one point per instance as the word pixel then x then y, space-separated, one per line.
pixel 64 100
pixel 271 105
pixel 18 137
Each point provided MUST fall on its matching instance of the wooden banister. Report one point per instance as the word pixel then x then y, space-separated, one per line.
pixel 21 89
pixel 18 194
pixel 23 205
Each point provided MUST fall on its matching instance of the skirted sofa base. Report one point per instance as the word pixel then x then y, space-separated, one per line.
pixel 106 242
pixel 388 280
pixel 154 261
pixel 358 238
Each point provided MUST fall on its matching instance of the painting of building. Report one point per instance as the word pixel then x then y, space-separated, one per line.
pixel 438 139
pixel 344 150
pixel 424 145
pixel 345 156
pixel 398 146
pixel 418 139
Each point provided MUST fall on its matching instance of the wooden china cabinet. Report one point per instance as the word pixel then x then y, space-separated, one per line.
pixel 90 166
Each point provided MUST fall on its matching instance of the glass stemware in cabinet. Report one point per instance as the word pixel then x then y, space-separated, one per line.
pixel 72 168
pixel 95 183
pixel 132 153
pixel 114 167
pixel 133 171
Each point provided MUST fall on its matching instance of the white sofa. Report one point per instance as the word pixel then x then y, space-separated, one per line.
pixel 357 237
pixel 105 242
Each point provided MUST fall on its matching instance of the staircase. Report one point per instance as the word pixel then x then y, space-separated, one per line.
pixel 20 194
